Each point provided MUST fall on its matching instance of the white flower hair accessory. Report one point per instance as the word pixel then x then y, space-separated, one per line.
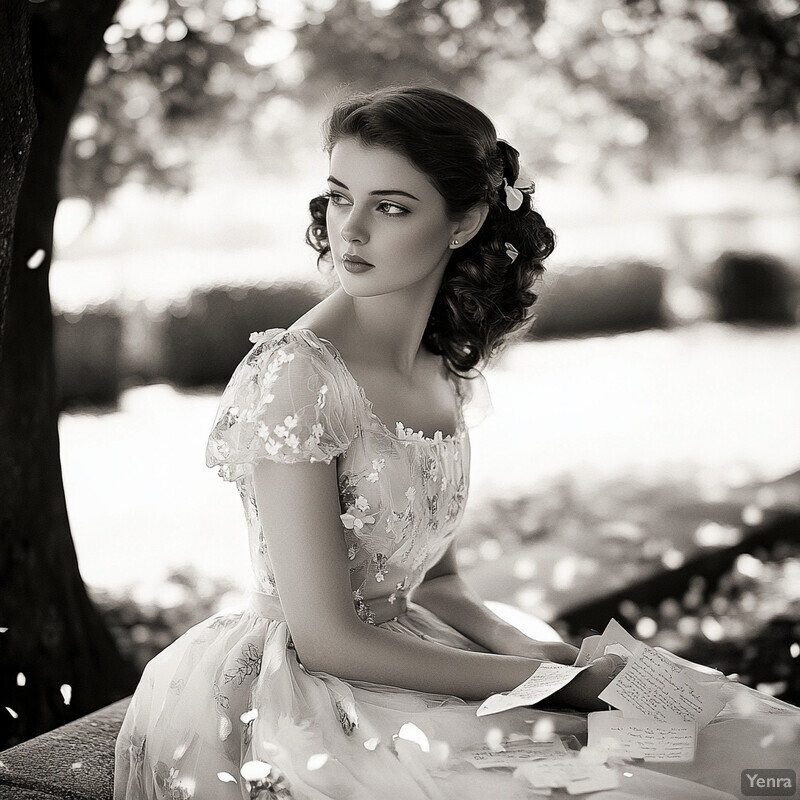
pixel 514 194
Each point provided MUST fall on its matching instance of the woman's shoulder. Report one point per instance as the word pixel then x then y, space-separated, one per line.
pixel 288 400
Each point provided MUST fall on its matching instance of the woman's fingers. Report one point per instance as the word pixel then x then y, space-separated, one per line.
pixel 583 691
pixel 560 652
pixel 610 664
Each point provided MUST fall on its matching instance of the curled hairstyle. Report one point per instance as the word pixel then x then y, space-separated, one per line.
pixel 486 289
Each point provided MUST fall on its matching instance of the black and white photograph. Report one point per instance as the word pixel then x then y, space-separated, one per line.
pixel 399 400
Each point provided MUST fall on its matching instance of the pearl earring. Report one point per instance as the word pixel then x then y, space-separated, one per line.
pixel 454 243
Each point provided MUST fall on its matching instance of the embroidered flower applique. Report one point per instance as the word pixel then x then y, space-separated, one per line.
pixel 356 515
pixel 323 390
pixel 380 567
pixel 362 609
pixel 170 783
pixel 348 725
pixel 248 664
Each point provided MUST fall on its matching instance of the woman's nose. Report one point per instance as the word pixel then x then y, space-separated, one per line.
pixel 355 228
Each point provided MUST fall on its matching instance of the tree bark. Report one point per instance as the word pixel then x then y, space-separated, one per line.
pixel 55 635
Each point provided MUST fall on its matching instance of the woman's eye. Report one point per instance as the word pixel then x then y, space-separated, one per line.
pixel 336 198
pixel 391 209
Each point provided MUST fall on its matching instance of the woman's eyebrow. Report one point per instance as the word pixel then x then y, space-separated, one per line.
pixel 331 179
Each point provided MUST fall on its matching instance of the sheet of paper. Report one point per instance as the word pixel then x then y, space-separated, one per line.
pixel 515 753
pixel 650 685
pixel 588 646
pixel 576 775
pixel 615 635
pixel 548 679
pixel 644 738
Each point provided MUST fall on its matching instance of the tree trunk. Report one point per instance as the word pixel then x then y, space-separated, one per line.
pixel 55 635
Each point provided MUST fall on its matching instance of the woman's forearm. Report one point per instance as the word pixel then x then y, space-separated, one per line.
pixel 368 653
pixel 454 602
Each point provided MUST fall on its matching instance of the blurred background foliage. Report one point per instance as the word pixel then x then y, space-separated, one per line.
pixel 609 85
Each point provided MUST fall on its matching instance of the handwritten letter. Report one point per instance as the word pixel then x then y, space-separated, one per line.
pixel 652 686
pixel 643 738
pixel 547 680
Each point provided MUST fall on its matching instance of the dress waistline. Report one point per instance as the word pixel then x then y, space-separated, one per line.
pixel 268 605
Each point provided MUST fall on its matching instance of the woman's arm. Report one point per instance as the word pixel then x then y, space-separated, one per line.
pixel 444 592
pixel 298 506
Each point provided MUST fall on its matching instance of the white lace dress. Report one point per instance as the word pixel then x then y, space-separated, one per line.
pixel 228 710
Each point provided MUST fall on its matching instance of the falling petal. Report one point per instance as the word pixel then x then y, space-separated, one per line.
pixel 440 751
pixel 254 771
pixel 180 750
pixel 20 679
pixel 513 198
pixel 226 777
pixel 494 739
pixel 543 730
pixel 794 649
pixel 3 630
pixel 76 765
pixel 316 761
pixel 767 740
pixel 35 261
pixel 372 743
pixel 224 727
pixel 511 251
pixel 249 716
pixel 412 733
pixel 66 693
pixel 12 712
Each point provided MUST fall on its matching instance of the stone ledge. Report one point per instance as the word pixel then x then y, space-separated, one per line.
pixel 73 762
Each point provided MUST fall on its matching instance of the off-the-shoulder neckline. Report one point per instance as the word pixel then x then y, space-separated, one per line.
pixel 418 436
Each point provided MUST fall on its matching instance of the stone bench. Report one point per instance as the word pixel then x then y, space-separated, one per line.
pixel 73 762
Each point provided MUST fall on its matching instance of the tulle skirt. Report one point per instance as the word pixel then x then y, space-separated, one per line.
pixel 228 712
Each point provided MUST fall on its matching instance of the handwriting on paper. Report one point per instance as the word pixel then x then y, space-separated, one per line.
pixel 650 739
pixel 575 775
pixel 651 685
pixel 548 679
pixel 514 753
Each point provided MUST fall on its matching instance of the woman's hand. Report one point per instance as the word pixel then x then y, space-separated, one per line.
pixel 558 652
pixel 582 692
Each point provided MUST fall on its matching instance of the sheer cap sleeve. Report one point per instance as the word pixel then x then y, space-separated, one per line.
pixel 477 401
pixel 287 401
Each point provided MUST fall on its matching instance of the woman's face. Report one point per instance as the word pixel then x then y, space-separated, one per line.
pixel 386 214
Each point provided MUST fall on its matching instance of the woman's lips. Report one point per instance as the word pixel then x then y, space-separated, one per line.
pixel 353 263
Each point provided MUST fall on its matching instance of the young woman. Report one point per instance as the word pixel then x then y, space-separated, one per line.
pixel 346 436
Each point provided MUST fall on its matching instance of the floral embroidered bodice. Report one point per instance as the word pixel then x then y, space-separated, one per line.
pixel 401 493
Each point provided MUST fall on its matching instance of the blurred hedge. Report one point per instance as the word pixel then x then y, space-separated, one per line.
pixel 605 299
pixel 88 355
pixel 205 337
pixel 753 287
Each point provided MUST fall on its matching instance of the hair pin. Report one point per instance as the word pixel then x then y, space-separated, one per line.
pixel 511 251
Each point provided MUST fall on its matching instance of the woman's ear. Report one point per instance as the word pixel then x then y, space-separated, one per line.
pixel 471 223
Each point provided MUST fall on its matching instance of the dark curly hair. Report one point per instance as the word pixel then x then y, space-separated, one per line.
pixel 487 287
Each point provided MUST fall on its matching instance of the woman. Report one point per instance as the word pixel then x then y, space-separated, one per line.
pixel 346 436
